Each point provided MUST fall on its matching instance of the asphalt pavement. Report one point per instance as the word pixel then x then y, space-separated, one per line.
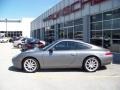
pixel 106 78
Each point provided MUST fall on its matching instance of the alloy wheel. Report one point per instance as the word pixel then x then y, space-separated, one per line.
pixel 19 46
pixel 30 65
pixel 91 64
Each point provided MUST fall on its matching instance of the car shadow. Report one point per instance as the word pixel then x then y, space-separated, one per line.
pixel 61 70
pixel 102 68
pixel 12 68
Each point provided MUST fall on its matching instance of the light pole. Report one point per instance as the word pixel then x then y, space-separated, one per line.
pixel 6 26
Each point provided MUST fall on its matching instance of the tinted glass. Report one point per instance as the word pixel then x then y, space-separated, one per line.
pixel 107 15
pixel 116 23
pixel 78 32
pixel 96 26
pixel 116 34
pixel 70 45
pixel 78 28
pixel 48 46
pixel 78 21
pixel 107 34
pixel 69 23
pixel 61 33
pixel 97 42
pixel 96 34
pixel 65 32
pixel 107 24
pixel 116 41
pixel 70 32
pixel 116 13
pixel 76 46
pixel 97 17
pixel 61 46
pixel 38 33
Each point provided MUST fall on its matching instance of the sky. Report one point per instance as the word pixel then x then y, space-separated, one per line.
pixel 17 9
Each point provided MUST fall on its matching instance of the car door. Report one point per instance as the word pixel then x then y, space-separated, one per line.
pixel 61 56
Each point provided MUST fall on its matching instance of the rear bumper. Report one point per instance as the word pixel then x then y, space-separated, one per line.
pixel 106 60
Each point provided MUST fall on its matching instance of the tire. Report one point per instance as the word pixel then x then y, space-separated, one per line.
pixel 30 65
pixel 19 46
pixel 91 64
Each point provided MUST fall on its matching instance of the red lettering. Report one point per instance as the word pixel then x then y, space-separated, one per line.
pixel 93 2
pixel 85 1
pixel 76 6
pixel 67 10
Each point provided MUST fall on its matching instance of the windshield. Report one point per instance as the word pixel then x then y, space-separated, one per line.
pixel 48 46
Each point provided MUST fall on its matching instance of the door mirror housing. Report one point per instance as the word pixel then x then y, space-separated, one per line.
pixel 50 50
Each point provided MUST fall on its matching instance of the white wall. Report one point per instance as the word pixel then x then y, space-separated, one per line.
pixel 10 26
pixel 23 26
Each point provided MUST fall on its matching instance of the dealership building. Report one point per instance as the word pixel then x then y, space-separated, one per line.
pixel 93 21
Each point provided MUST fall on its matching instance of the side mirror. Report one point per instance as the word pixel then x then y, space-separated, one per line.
pixel 23 41
pixel 50 50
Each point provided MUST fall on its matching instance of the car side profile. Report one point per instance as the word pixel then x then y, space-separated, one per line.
pixel 64 53
pixel 3 40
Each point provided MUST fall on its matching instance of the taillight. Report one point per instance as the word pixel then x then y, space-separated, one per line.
pixel 108 53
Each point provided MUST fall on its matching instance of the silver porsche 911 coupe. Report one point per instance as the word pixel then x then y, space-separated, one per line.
pixel 64 53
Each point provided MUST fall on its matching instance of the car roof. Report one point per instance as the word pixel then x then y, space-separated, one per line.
pixel 70 40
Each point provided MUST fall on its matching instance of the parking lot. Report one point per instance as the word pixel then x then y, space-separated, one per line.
pixel 106 78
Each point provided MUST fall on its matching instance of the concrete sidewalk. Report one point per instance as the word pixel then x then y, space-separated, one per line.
pixel 116 58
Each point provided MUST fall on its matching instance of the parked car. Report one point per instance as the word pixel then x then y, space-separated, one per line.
pixel 65 53
pixel 15 38
pixel 3 40
pixel 18 43
pixel 32 43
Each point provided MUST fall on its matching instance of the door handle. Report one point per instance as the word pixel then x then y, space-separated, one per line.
pixel 72 54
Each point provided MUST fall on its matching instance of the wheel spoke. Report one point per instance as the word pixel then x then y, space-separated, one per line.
pixel 91 64
pixel 30 65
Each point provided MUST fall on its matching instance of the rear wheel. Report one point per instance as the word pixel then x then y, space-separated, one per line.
pixel 19 46
pixel 91 64
pixel 30 65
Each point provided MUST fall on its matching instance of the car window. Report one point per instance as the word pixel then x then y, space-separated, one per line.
pixel 23 39
pixel 76 45
pixel 48 46
pixel 70 45
pixel 61 46
pixel 30 40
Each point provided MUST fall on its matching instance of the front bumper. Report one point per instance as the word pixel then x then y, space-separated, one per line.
pixel 16 61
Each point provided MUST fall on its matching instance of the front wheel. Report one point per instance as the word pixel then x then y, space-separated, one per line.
pixel 91 64
pixel 30 65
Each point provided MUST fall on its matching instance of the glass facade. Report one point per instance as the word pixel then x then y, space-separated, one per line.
pixel 49 34
pixel 70 29
pixel 100 29
pixel 105 26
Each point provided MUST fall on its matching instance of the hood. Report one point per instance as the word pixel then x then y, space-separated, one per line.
pixel 33 50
